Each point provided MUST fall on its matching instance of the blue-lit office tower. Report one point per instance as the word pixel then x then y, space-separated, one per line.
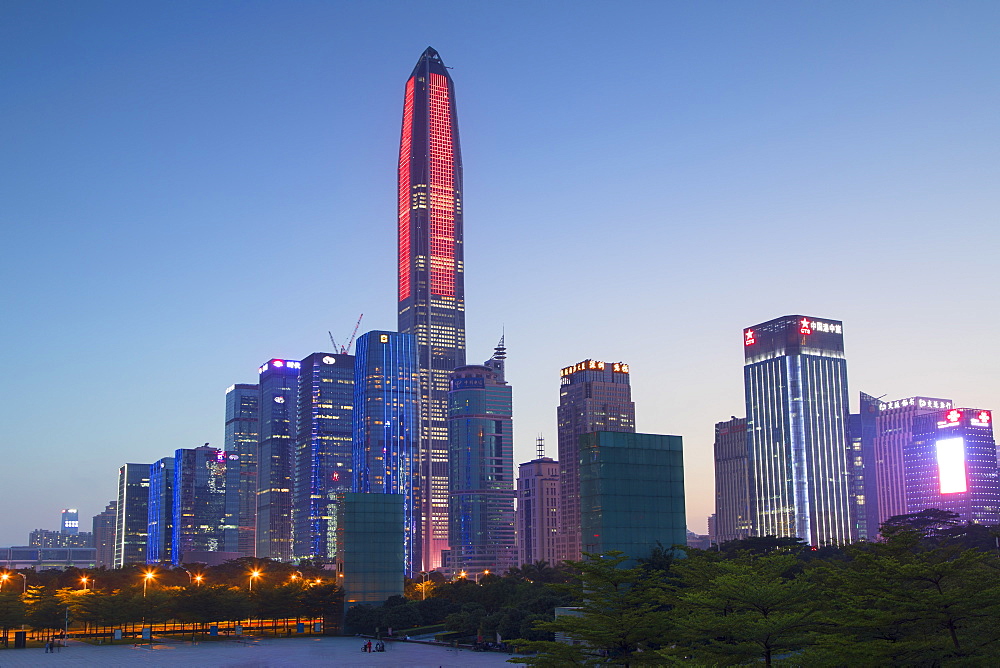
pixel 387 427
pixel 159 542
pixel 278 385
pixel 242 407
pixel 199 502
pixel 324 451
pixel 481 468
pixel 951 465
pixel 132 515
pixel 795 380
pixel 861 430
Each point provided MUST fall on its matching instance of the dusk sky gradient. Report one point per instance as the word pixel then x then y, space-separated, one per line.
pixel 189 189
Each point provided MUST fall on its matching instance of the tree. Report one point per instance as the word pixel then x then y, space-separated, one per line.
pixel 745 609
pixel 619 617
pixel 12 613
pixel 929 523
pixel 896 605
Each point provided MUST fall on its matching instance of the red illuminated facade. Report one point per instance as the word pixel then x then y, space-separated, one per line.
pixel 431 284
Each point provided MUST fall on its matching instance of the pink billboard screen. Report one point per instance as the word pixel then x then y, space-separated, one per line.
pixel 951 465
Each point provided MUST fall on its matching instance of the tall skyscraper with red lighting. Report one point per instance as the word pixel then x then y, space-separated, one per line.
pixel 431 283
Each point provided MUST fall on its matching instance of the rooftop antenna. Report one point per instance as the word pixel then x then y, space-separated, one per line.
pixel 540 446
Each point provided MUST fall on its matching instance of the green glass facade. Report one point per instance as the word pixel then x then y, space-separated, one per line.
pixel 370 539
pixel 631 492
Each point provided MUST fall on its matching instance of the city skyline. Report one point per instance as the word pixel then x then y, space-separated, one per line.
pixel 157 157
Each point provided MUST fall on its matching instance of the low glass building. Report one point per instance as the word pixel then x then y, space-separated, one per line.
pixel 370 541
pixel 631 492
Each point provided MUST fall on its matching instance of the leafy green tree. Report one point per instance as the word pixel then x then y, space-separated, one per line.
pixel 44 609
pixel 620 617
pixel 746 609
pixel 929 523
pixel 12 613
pixel 322 600
pixel 896 605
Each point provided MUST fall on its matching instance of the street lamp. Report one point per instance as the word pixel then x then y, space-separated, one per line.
pixel 192 578
pixel 147 576
pixel 423 585
pixel 3 579
pixel 25 589
pixel 253 575
pixel 85 580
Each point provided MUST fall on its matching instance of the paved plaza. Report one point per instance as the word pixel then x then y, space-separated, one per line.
pixel 298 652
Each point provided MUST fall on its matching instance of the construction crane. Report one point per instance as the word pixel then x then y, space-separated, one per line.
pixel 346 349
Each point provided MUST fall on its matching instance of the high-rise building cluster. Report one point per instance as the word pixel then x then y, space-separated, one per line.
pixel 398 459
pixel 800 464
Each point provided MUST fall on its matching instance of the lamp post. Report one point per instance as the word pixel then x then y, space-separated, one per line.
pixel 149 575
pixel 25 589
pixel 85 580
pixel 3 580
pixel 198 578
pixel 253 576
pixel 423 585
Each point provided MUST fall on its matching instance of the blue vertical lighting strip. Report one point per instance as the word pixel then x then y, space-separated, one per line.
pixel 386 427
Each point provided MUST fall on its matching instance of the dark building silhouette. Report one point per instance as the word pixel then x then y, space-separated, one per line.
pixel 732 494
pixel 104 535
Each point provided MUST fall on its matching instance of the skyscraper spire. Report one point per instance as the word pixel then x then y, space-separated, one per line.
pixel 431 275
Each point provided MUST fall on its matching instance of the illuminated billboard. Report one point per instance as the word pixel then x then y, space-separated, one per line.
pixel 951 465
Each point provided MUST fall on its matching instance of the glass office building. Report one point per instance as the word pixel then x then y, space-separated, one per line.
pixel 799 470
pixel 323 451
pixel 481 468
pixel 199 502
pixel 159 542
pixel 370 553
pixel 861 429
pixel 387 428
pixel 278 391
pixel 894 422
pixel 132 515
pixel 952 465
pixel 431 273
pixel 631 492
pixel 593 396
pixel 240 444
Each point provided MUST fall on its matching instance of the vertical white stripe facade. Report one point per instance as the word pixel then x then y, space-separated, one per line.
pixel 799 459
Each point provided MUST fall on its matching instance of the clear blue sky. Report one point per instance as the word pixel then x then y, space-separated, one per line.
pixel 188 189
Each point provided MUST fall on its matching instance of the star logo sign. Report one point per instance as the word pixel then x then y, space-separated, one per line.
pixel 748 340
pixel 805 326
